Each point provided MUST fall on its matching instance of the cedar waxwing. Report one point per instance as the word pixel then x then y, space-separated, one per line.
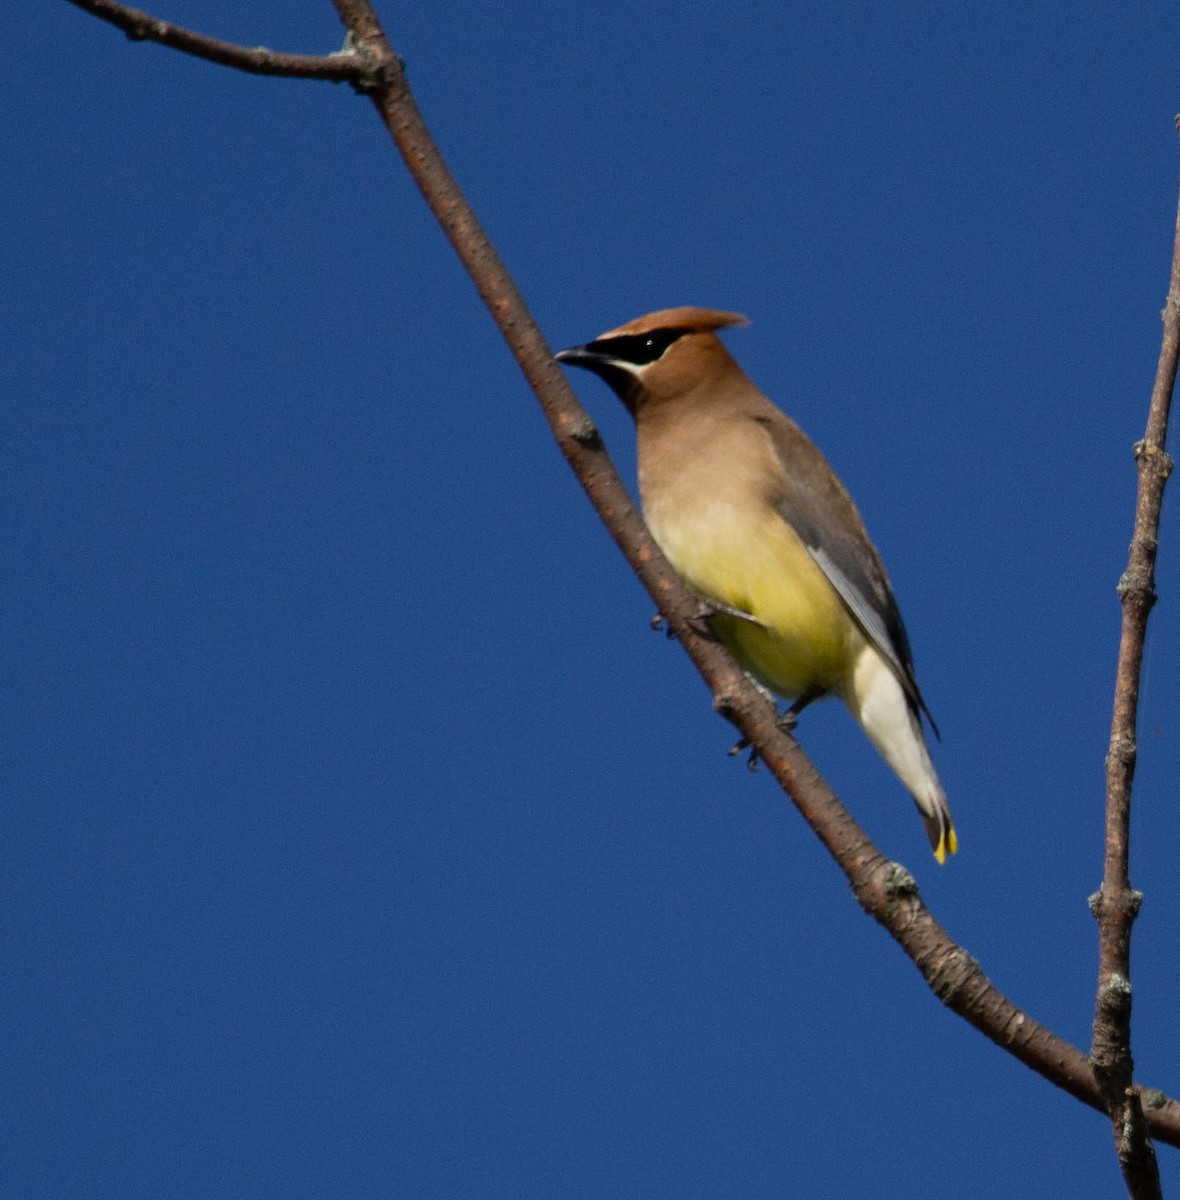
pixel 749 512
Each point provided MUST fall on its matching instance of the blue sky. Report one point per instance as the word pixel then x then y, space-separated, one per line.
pixel 360 838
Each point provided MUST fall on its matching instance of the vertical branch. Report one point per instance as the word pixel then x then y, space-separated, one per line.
pixel 1117 904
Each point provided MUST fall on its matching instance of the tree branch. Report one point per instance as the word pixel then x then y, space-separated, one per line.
pixel 1117 904
pixel 342 67
pixel 884 889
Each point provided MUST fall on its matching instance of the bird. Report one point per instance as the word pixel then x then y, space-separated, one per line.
pixel 754 519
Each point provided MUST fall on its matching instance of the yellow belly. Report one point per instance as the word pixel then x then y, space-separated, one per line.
pixel 804 639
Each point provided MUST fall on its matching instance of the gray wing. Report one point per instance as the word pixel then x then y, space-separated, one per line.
pixel 827 522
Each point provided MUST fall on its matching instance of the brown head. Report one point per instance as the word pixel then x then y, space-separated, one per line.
pixel 658 356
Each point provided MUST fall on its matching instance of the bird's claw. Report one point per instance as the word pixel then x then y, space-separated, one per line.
pixel 699 621
pixel 786 721
pixel 710 608
pixel 738 747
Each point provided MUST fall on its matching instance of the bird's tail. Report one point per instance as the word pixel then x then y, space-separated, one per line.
pixel 893 725
pixel 936 816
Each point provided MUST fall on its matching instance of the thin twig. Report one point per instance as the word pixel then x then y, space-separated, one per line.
pixel 341 67
pixel 884 889
pixel 1117 903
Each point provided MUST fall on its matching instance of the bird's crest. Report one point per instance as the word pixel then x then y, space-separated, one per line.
pixel 688 318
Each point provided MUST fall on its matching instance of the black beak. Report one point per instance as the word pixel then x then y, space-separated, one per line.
pixel 577 356
pixel 621 381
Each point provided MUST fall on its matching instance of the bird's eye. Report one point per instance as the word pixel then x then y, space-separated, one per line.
pixel 639 349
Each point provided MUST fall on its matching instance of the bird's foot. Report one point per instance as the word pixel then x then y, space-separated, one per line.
pixel 740 746
pixel 786 721
pixel 699 620
pixel 710 608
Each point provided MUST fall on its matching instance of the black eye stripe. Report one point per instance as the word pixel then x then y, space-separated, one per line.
pixel 639 349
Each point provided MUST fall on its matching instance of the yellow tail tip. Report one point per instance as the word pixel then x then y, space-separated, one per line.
pixel 948 843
